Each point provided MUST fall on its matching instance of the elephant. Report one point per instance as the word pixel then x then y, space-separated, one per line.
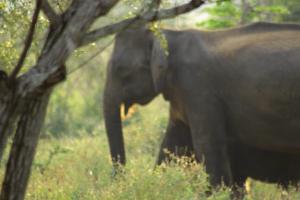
pixel 233 86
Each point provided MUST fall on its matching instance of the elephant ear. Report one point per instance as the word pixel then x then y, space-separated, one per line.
pixel 159 64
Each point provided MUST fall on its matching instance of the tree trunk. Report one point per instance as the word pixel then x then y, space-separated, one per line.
pixel 246 10
pixel 24 146
pixel 8 109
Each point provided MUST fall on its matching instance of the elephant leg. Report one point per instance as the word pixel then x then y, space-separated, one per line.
pixel 177 141
pixel 208 129
pixel 240 160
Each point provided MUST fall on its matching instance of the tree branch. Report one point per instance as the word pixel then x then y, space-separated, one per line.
pixel 64 41
pixel 28 42
pixel 52 16
pixel 140 20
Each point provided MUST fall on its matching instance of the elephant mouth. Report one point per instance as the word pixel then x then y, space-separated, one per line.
pixel 143 100
pixel 127 106
pixel 137 100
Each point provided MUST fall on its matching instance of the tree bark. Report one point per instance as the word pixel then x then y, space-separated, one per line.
pixel 8 115
pixel 24 146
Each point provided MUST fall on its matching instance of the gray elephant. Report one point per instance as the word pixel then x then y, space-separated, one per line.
pixel 238 85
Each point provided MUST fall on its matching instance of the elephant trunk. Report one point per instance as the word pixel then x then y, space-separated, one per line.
pixel 111 107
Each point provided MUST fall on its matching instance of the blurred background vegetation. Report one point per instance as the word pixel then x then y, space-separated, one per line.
pixel 74 132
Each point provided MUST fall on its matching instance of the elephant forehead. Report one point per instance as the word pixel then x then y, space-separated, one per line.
pixel 133 57
pixel 136 39
pixel 130 54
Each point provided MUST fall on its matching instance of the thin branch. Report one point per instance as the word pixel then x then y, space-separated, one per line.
pixel 52 16
pixel 28 41
pixel 140 20
pixel 85 62
pixel 154 5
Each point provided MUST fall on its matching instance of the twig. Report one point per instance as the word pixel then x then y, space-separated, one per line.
pixel 91 57
pixel 53 17
pixel 28 42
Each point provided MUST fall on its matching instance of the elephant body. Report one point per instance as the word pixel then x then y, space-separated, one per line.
pixel 263 165
pixel 236 92
pixel 246 161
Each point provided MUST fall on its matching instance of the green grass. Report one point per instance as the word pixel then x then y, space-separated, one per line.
pixel 83 171
pixel 74 168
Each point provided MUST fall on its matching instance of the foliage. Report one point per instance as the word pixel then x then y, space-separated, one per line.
pixel 15 19
pixel 156 29
pixel 233 13
pixel 224 14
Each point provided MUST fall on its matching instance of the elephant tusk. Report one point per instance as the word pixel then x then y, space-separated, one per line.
pixel 127 110
pixel 124 110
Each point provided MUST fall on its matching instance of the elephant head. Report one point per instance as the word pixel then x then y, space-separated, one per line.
pixel 135 74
